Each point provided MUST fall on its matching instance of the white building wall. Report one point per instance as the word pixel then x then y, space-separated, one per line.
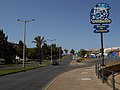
pixel 111 49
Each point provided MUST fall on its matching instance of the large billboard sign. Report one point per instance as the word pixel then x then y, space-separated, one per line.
pixel 100 13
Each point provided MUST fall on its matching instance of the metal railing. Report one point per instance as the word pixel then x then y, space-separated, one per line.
pixel 104 74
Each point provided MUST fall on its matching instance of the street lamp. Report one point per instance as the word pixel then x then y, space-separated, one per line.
pixel 51 46
pixel 25 22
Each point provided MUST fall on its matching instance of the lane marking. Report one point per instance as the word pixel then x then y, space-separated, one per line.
pixel 88 69
pixel 86 79
pixel 84 72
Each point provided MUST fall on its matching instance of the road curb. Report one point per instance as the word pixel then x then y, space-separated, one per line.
pixel 51 82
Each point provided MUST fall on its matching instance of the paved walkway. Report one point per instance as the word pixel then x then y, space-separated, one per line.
pixel 117 81
pixel 78 79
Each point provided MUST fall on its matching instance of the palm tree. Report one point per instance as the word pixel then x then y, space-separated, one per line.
pixel 39 42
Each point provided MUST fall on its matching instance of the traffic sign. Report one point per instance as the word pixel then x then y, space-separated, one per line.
pixel 101 27
pixel 101 31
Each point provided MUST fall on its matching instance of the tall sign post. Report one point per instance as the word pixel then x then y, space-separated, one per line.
pixel 99 16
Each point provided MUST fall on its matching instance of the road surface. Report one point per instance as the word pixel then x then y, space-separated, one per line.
pixel 37 79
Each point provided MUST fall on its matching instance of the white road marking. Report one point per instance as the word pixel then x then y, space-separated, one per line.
pixel 86 79
pixel 84 72
pixel 88 69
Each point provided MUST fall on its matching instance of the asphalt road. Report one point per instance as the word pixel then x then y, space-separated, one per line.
pixel 37 79
pixel 33 79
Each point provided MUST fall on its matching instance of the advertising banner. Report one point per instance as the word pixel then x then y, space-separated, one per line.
pixel 100 13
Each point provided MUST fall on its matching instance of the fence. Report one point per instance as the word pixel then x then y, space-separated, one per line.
pixel 104 74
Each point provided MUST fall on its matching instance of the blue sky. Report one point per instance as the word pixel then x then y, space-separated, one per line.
pixel 67 21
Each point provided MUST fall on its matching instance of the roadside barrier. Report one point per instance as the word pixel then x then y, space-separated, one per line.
pixel 103 74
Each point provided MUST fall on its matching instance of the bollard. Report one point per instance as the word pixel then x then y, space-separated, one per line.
pixel 96 69
pixel 102 75
pixel 113 80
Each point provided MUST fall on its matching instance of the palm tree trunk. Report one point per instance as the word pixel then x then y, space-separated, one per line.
pixel 40 58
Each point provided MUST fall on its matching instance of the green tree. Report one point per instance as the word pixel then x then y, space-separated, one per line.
pixel 72 51
pixel 45 51
pixel 19 49
pixel 31 53
pixel 56 51
pixel 10 53
pixel 66 51
pixel 60 52
pixel 3 43
pixel 82 53
pixel 39 42
pixel 7 50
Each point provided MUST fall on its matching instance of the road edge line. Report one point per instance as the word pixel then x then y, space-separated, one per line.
pixel 51 82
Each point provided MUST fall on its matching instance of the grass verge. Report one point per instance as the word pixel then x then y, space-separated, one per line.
pixel 16 70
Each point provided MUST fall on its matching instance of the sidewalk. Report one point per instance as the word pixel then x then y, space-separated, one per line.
pixel 78 79
pixel 117 81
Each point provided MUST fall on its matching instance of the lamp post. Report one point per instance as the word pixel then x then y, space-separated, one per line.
pixel 51 46
pixel 25 22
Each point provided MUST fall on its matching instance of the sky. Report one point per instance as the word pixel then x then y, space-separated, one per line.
pixel 67 21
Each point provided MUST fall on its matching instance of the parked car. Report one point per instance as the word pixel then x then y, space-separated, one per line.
pixel 2 61
pixel 55 62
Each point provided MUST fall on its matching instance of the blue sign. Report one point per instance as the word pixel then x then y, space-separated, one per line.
pixel 101 27
pixel 100 13
pixel 101 31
